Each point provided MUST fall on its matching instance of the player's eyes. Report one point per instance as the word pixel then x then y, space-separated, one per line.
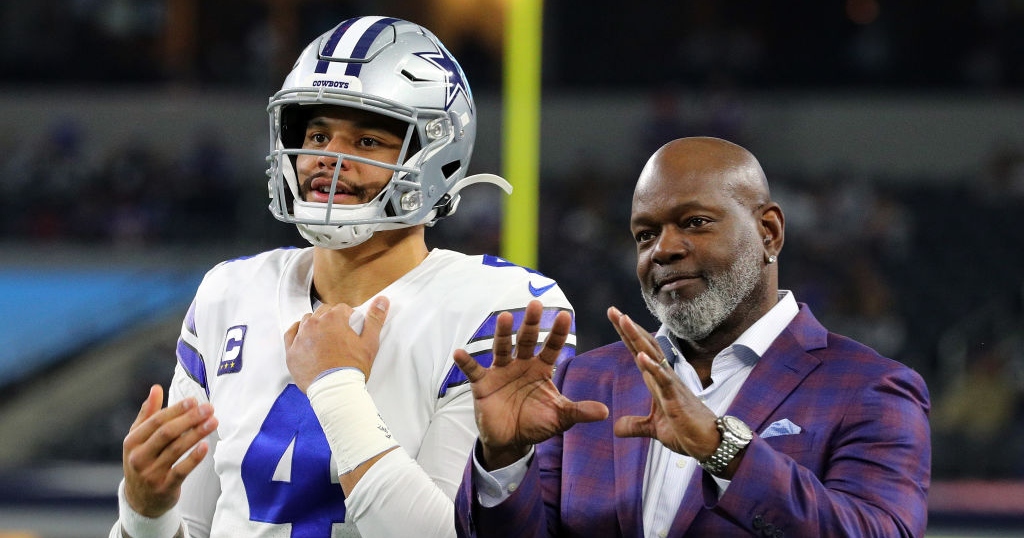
pixel 368 142
pixel 317 139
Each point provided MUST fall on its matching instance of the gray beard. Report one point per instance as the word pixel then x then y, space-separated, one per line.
pixel 697 318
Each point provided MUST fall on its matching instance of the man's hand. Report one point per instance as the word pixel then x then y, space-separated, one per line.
pixel 678 419
pixel 516 403
pixel 155 442
pixel 324 340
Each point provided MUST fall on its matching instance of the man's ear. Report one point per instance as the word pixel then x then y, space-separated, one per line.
pixel 773 227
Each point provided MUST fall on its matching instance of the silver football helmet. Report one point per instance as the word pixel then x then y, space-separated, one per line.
pixel 397 69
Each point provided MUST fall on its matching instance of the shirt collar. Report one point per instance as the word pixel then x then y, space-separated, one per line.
pixel 764 331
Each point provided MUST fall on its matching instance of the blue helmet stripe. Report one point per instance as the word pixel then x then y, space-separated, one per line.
pixel 363 45
pixel 332 42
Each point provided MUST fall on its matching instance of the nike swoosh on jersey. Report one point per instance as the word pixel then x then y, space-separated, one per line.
pixel 537 292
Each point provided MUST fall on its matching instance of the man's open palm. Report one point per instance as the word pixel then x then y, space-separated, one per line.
pixel 516 403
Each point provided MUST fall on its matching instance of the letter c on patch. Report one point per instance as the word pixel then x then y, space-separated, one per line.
pixel 231 360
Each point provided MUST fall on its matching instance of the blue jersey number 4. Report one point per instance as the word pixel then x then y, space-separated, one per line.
pixel 302 493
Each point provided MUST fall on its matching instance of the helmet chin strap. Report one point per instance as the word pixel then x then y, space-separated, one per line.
pixel 493 179
pixel 450 202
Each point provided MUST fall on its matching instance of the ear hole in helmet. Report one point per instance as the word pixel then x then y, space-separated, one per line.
pixel 451 168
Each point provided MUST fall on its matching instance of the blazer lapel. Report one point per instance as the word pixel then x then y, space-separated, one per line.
pixel 630 397
pixel 782 368
pixel 784 365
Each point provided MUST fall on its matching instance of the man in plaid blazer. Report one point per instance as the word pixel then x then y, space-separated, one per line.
pixel 741 416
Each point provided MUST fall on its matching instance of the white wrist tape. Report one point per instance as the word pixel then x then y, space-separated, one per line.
pixel 133 523
pixel 354 429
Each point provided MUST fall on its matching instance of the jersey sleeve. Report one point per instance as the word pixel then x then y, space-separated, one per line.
pixel 201 489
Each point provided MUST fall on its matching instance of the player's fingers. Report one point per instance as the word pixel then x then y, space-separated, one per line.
pixel 375 316
pixel 153 402
pixel 289 335
pixel 529 330
pixel 468 365
pixel 149 407
pixel 152 437
pixel 556 338
pixel 502 339
pixel 177 474
pixel 185 442
pixel 144 428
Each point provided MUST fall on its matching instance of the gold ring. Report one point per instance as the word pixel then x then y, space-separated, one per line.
pixel 665 364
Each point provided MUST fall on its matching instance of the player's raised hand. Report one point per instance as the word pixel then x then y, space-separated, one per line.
pixel 678 419
pixel 326 339
pixel 155 442
pixel 516 403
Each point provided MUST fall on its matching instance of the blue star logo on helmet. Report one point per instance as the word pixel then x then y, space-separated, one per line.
pixel 454 77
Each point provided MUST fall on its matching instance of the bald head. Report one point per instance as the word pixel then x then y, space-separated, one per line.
pixel 709 162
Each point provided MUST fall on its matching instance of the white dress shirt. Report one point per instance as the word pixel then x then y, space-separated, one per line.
pixel 668 473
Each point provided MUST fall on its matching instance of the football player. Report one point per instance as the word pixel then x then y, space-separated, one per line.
pixel 315 392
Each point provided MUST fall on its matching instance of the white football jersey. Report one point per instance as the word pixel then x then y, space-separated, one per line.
pixel 270 471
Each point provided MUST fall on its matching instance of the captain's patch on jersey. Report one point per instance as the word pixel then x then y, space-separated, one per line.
pixel 231 357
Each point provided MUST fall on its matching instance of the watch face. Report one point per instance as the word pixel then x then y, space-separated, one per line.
pixel 737 427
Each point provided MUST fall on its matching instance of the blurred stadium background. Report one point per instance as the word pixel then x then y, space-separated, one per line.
pixel 892 132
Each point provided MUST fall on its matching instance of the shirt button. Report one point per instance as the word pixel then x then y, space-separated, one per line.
pixel 680 463
pixel 662 534
pixel 512 487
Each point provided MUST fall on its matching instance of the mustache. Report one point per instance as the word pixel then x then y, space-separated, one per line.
pixel 657 281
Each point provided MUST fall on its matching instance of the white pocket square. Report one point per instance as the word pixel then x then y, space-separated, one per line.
pixel 781 427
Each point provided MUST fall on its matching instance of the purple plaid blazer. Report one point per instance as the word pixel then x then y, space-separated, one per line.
pixel 860 465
